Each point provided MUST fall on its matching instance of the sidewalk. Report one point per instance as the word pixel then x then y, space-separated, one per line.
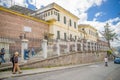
pixel 8 74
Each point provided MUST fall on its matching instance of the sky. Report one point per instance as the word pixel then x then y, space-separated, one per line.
pixel 94 12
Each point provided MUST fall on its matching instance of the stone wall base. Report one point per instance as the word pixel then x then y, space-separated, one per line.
pixel 67 59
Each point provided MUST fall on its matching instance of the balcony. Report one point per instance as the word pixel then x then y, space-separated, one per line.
pixel 51 18
pixel 49 15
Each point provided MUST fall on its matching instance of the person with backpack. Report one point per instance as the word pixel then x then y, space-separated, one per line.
pixel 16 64
pixel 33 52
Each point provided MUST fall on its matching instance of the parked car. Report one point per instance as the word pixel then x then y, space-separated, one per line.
pixel 117 60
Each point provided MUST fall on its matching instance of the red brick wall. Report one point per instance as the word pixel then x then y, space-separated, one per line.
pixel 12 25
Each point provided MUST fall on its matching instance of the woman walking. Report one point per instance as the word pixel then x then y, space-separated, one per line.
pixel 16 65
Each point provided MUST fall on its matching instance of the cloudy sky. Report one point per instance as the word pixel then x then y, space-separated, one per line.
pixel 94 12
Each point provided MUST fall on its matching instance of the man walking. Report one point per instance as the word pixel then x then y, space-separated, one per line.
pixel 2 55
pixel 106 61
pixel 33 52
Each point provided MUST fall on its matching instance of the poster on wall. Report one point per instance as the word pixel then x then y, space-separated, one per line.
pixel 27 29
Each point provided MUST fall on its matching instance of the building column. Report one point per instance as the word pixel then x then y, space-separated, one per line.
pixel 82 46
pixel 76 46
pixel 90 47
pixel 68 46
pixel 44 48
pixel 58 47
pixel 24 46
pixel 93 46
pixel 96 46
pixel 86 46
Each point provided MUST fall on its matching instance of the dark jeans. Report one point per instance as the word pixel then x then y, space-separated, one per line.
pixel 106 63
pixel 33 53
pixel 2 59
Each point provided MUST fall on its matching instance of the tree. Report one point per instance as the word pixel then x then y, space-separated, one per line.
pixel 109 34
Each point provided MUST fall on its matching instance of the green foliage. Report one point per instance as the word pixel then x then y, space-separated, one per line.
pixel 109 34
pixel 109 52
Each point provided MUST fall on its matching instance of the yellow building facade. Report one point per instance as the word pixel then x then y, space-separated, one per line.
pixel 63 24
pixel 88 32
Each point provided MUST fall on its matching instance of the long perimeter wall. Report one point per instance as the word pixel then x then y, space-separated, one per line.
pixel 67 59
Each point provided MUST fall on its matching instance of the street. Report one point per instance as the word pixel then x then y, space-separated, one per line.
pixel 91 72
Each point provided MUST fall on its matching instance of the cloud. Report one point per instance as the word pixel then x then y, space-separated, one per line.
pixel 117 19
pixel 6 3
pixel 95 19
pixel 98 14
pixel 83 17
pixel 18 1
pixel 77 7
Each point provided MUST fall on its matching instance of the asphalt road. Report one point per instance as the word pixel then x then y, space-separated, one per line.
pixel 91 72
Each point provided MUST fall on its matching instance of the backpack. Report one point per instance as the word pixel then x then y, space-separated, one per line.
pixel 12 59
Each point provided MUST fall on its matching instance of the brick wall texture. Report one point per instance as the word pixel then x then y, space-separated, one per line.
pixel 12 26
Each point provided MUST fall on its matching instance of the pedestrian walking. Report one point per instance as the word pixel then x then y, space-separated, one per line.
pixel 33 52
pixel 106 61
pixel 16 65
pixel 0 59
pixel 2 55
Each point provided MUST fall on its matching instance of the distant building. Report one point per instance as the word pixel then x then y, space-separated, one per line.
pixel 102 44
pixel 88 32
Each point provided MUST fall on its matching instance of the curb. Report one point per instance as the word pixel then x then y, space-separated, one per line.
pixel 49 70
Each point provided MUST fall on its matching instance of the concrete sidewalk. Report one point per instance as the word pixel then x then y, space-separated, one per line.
pixel 8 74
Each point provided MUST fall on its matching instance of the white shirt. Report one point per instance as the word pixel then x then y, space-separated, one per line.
pixel 106 59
